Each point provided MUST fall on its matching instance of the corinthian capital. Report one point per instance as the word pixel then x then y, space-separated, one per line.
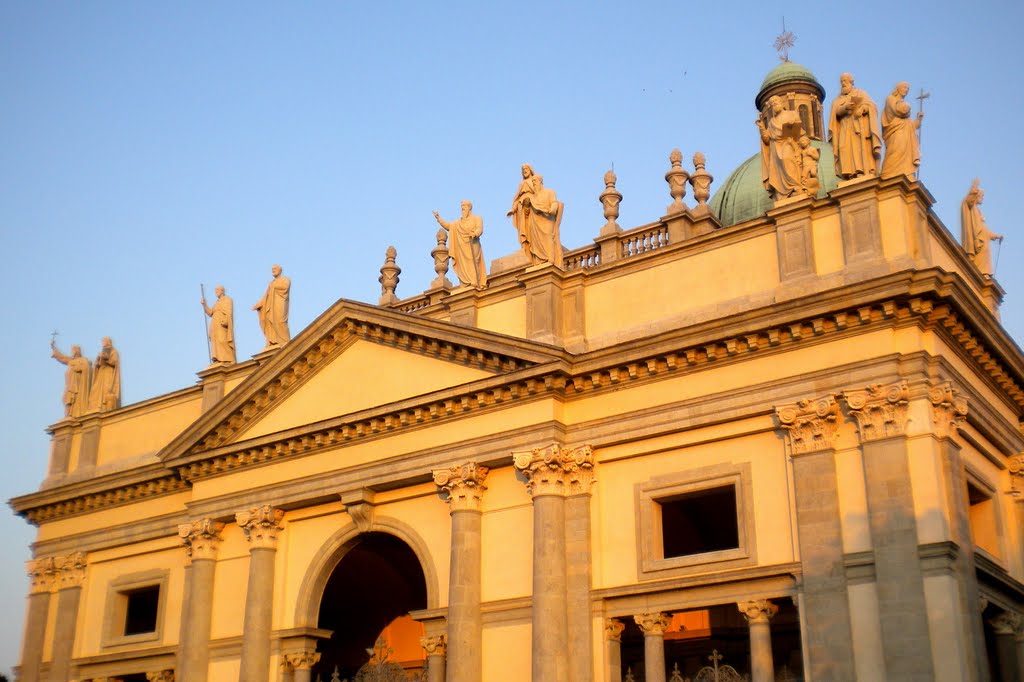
pixel 1007 623
pixel 949 409
pixel 261 525
pixel 811 424
pixel 302 660
pixel 554 470
pixel 464 485
pixel 70 570
pixel 757 610
pixel 652 623
pixel 43 575
pixel 613 629
pixel 160 676
pixel 880 410
pixel 434 646
pixel 201 538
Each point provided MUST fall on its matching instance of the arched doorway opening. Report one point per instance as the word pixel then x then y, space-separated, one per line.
pixel 369 595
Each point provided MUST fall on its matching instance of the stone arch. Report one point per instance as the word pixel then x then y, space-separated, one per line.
pixel 330 554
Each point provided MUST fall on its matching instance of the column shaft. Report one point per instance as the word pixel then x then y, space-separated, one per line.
pixel 550 625
pixel 1006 653
pixel 435 668
pixel 465 629
pixel 259 604
pixel 195 656
pixel 578 584
pixel 654 656
pixel 762 668
pixel 302 675
pixel 64 632
pixel 35 636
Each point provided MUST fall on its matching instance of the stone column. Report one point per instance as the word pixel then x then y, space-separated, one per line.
pixel 43 579
pixel 810 427
pixel 301 664
pixel 435 648
pixel 261 526
pixel 70 576
pixel 550 472
pixel 613 649
pixel 201 538
pixel 653 626
pixel 464 487
pixel 758 613
pixel 578 570
pixel 1006 626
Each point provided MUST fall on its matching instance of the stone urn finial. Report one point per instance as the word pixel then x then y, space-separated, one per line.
pixel 389 277
pixel 676 178
pixel 610 199
pixel 441 257
pixel 701 181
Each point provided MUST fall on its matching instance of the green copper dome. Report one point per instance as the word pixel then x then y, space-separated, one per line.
pixel 743 197
pixel 788 72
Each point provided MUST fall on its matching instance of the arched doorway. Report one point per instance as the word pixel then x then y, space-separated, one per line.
pixel 369 594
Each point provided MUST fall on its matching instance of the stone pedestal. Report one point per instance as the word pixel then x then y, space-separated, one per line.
pixel 261 526
pixel 758 614
pixel 653 626
pixel 201 538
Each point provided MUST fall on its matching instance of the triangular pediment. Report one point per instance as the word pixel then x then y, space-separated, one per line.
pixel 355 358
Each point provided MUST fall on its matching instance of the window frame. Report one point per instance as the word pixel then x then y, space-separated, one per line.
pixel 118 591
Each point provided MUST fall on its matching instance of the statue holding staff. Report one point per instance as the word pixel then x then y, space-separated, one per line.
pixel 222 327
pixel 466 252
pixel 76 379
pixel 976 238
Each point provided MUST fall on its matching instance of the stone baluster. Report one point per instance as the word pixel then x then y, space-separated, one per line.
pixel 435 648
pixel 610 199
pixel 653 625
pixel 70 571
pixel 1006 627
pixel 758 614
pixel 701 181
pixel 441 255
pixel 388 279
pixel 43 576
pixel 676 178
pixel 549 472
pixel 464 487
pixel 201 538
pixel 301 664
pixel 613 649
pixel 261 526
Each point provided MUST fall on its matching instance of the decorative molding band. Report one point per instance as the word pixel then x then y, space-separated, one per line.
pixel 555 470
pixel 949 409
pixel 201 538
pixel 464 485
pixel 880 411
pixel 810 424
pixel 84 504
pixel 261 526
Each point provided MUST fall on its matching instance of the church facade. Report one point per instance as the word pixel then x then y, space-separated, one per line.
pixel 776 435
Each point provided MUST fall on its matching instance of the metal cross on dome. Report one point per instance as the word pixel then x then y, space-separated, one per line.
pixel 784 41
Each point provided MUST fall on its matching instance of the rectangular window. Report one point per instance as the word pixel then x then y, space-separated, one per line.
pixel 141 609
pixel 135 609
pixel 699 522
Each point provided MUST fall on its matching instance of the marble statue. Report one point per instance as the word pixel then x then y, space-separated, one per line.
pixel 975 235
pixel 780 155
pixel 517 213
pixel 543 216
pixel 105 394
pixel 809 167
pixel 902 151
pixel 853 131
pixel 273 310
pixel 222 327
pixel 76 380
pixel 464 246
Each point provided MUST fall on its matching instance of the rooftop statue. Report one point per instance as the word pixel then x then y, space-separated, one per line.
pixel 222 327
pixel 273 310
pixel 542 213
pixel 853 131
pixel 809 167
pixel 902 150
pixel 780 154
pixel 105 394
pixel 465 249
pixel 76 380
pixel 975 235
pixel 517 213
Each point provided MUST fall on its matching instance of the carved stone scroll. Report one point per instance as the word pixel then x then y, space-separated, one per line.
pixel 434 646
pixel 880 411
pixel 160 676
pixel 613 629
pixel 42 575
pixel 261 526
pixel 811 424
pixel 757 610
pixel 555 470
pixel 201 538
pixel 302 660
pixel 652 623
pixel 70 570
pixel 464 485
pixel 949 410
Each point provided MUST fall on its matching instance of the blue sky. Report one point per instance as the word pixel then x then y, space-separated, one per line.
pixel 151 147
